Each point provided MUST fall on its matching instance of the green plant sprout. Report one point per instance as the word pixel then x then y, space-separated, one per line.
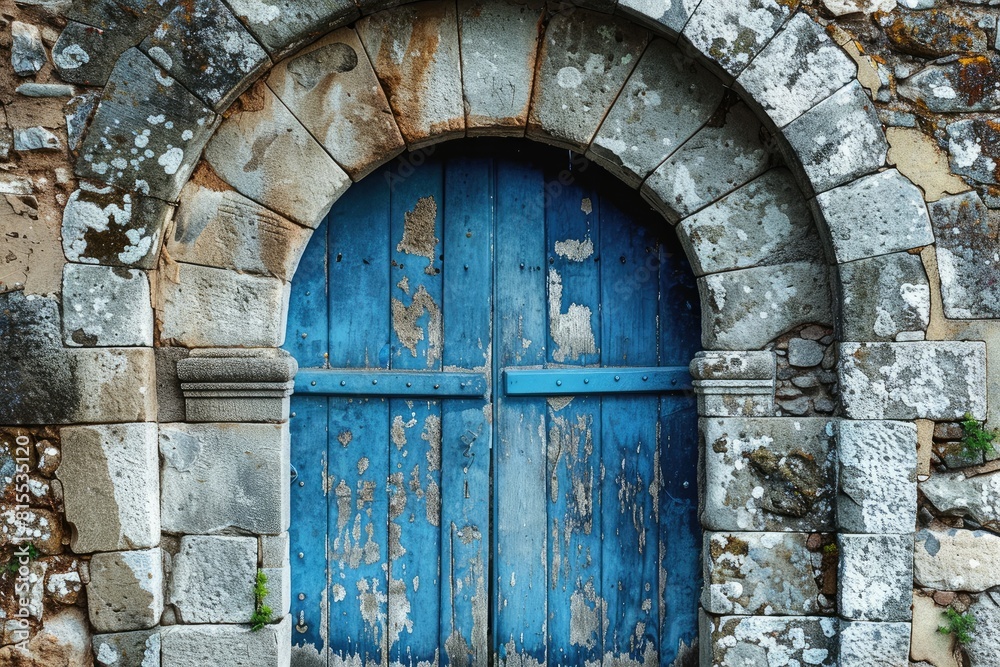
pixel 976 439
pixel 262 613
pixel 830 548
pixel 959 625
pixel 14 564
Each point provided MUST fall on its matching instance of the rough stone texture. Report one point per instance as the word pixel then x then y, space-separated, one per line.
pixel 765 222
pixel 237 385
pixel 985 645
pixel 283 25
pixel 64 639
pixel 499 49
pixel 884 298
pixel 927 644
pixel 207 50
pixel 839 139
pixel 224 229
pixel 740 641
pixel 972 146
pixel 741 572
pixel 584 62
pixel 111 487
pixel 27 53
pixel 923 161
pixel 768 474
pixel 874 644
pixel 953 494
pixel 963 85
pixel 125 590
pixel 967 237
pixel 416 55
pixel 875 215
pixel 230 645
pixel 749 307
pixel 956 560
pixel 250 460
pixel 266 154
pixel 724 154
pixel 875 577
pixel 35 139
pixel 279 591
pixel 919 380
pixel 734 384
pixel 332 89
pixel 667 98
pixel 115 385
pixel 668 16
pixel 800 67
pixel 935 34
pixel 169 398
pixel 877 463
pixel 106 307
pixel 212 579
pixel 127 649
pixel 208 307
pixel 147 131
pixel 42 528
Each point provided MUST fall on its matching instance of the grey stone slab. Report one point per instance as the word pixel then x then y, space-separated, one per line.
pixel 583 64
pixel 799 68
pixel 770 474
pixel 110 480
pixel 741 641
pixel 268 156
pixel 805 353
pixel 985 645
pixel 765 222
pixel 972 145
pixel 212 579
pixel 279 591
pixel 77 113
pixel 877 462
pixel 202 45
pixel 281 26
pixel 725 154
pixel 416 54
pixel 209 307
pixel 35 139
pixel 663 16
pixel 218 477
pixel 956 560
pixel 967 234
pixel 939 380
pixel 959 86
pixel 747 308
pixel 499 49
pixel 863 644
pixel 27 53
pixel 666 100
pixel 274 551
pixel 125 590
pixel 106 306
pixel 140 648
pixel 884 298
pixel 954 494
pixel 875 215
pixel 331 88
pixel 839 139
pixel 147 132
pixel 115 385
pixel 875 577
pixel 169 398
pixel 230 645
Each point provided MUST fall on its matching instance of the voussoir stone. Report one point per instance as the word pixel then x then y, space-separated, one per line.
pixel 666 16
pixel 416 54
pixel 740 641
pixel 125 590
pixel 666 99
pixel 212 579
pixel 266 154
pixel 282 25
pixel 332 89
pixel 954 494
pixel 956 560
pixel 939 380
pixel 105 306
pixel 877 463
pixel 140 648
pixel 884 298
pixel 967 234
pixel 875 577
pixel 863 644
pixel 584 61
pixel 230 645
pixel 110 479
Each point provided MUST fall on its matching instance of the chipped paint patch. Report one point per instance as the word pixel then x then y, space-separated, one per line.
pixel 432 436
pixel 571 331
pixel 409 332
pixel 575 250
pixel 418 232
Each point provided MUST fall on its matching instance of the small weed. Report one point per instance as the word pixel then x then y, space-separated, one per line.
pixel 959 625
pixel 830 548
pixel 976 439
pixel 262 613
pixel 14 564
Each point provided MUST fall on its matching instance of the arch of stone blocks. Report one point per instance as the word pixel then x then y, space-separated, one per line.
pixel 212 165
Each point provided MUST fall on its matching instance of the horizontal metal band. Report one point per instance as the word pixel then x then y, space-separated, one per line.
pixel 367 382
pixel 576 381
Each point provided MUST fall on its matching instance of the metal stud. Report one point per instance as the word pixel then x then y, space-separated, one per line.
pixel 644 378
pixel 437 386
pixel 558 383
pixel 302 596
pixel 586 380
pixel 409 384
pixel 343 383
pixel 617 378
pixel 313 383
pixel 374 381
pixel 301 555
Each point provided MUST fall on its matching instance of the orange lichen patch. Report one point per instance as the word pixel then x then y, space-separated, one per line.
pixel 251 100
pixel 933 33
pixel 974 75
pixel 206 177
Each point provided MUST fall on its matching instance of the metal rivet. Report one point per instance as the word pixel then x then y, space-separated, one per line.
pixel 644 378
pixel 558 383
pixel 686 484
pixel 313 383
pixel 374 381
pixel 617 378
pixel 461 385
pixel 302 596
pixel 437 386
pixel 343 383
pixel 409 384
pixel 292 415
pixel 302 483
pixel 304 335
pixel 466 267
pixel 673 382
pixel 586 380
pixel 522 265
pixel 301 555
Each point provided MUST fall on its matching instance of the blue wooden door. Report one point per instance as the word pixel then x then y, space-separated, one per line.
pixel 494 450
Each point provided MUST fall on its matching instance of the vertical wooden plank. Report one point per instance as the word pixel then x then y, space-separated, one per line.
pixel 308 324
pixel 520 554
pixel 466 431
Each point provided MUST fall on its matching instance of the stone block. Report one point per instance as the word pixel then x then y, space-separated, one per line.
pixel 202 45
pixel 111 486
pixel 839 139
pixel 950 87
pixel 875 577
pixel 279 591
pixel 954 494
pixel 331 88
pixel 875 215
pixel 583 64
pixel 125 590
pixel 147 112
pixel 884 298
pixel 940 380
pixel 967 235
pixel 799 68
pixel 666 99
pixel 741 641
pixel 106 306
pixel 741 571
pixel 864 644
pixel 662 16
pixel 209 307
pixel 27 53
pixel 972 145
pixel 416 54
pixel 985 645
pixel 747 308
pixel 212 580
pixel 217 477
pixel 264 152
pixel 230 645
pixel 223 229
pixel 281 26
pixel 140 648
pixel 169 397
pixel 113 385
pixel 274 551
pixel 765 222
pixel 956 560
pixel 878 477
pixel 499 48
pixel 35 139
pixel 770 474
